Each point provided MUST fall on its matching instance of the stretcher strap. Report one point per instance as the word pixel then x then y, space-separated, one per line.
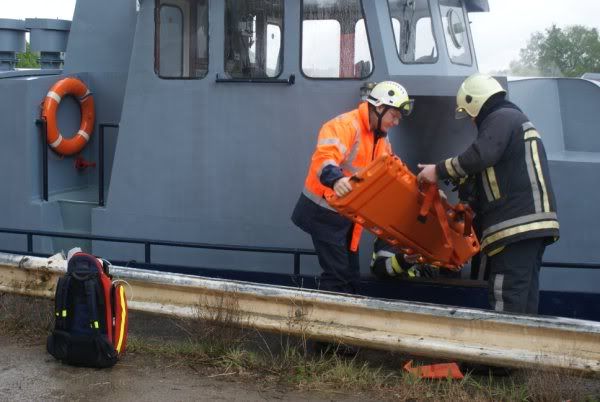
pixel 432 198
pixel 467 214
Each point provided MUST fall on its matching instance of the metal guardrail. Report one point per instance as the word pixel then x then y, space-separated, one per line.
pixel 440 332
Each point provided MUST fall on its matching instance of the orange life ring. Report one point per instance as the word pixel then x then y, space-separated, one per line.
pixel 75 87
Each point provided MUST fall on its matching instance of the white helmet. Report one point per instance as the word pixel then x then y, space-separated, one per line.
pixel 474 92
pixel 391 94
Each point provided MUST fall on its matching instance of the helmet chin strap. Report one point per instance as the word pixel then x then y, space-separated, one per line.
pixel 378 131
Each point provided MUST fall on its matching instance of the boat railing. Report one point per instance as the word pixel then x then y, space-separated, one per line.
pixel 148 243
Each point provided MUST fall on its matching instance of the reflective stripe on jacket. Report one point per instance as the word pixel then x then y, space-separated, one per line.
pixel 347 143
pixel 514 196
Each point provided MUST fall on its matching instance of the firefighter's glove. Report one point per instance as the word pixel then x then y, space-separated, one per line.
pixel 412 258
pixel 342 186
pixel 428 271
pixel 422 271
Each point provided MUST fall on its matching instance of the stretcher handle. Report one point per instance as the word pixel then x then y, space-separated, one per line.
pixel 432 198
pixel 426 204
pixel 356 178
pixel 467 214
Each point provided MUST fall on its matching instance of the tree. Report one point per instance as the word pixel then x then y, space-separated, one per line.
pixel 568 52
pixel 28 59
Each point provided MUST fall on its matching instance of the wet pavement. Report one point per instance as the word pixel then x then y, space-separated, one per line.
pixel 28 373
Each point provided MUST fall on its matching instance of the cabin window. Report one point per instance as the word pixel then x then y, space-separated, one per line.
pixel 181 38
pixel 253 38
pixel 413 31
pixel 334 40
pixel 455 31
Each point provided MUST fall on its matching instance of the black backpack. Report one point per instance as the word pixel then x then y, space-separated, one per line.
pixel 91 317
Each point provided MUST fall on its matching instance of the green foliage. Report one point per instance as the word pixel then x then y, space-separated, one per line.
pixel 568 52
pixel 28 59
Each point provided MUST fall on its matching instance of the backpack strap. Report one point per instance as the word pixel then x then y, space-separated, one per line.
pixel 92 291
pixel 61 302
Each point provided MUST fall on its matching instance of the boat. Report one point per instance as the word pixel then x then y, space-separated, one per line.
pixel 206 114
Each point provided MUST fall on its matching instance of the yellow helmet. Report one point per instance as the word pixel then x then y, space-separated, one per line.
pixel 474 92
pixel 392 94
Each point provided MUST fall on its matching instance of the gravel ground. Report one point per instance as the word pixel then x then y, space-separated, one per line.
pixel 28 373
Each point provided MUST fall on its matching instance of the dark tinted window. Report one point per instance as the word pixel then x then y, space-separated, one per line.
pixel 253 38
pixel 413 31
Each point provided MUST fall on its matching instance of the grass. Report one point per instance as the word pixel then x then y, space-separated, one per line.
pixel 218 343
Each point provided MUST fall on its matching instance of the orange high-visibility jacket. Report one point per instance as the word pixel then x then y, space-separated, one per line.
pixel 346 142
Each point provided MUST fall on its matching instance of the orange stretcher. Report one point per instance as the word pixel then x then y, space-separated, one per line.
pixel 386 200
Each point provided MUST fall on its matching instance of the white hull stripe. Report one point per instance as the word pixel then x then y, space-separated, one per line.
pixel 57 142
pixel 85 135
pixel 54 95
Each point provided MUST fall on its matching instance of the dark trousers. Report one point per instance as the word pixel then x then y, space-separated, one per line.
pixel 341 269
pixel 513 284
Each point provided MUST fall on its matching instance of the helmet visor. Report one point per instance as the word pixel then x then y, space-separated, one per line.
pixel 460 113
pixel 407 107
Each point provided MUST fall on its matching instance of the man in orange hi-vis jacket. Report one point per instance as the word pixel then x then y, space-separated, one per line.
pixel 345 145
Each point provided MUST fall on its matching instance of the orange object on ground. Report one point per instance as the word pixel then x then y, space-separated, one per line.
pixel 436 371
pixel 75 87
pixel 387 201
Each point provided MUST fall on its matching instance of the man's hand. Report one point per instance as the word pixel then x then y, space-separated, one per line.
pixel 428 174
pixel 342 186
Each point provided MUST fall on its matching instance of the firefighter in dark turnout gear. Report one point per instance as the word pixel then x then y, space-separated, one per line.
pixel 513 198
pixel 345 145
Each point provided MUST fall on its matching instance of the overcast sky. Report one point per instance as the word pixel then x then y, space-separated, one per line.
pixel 498 35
